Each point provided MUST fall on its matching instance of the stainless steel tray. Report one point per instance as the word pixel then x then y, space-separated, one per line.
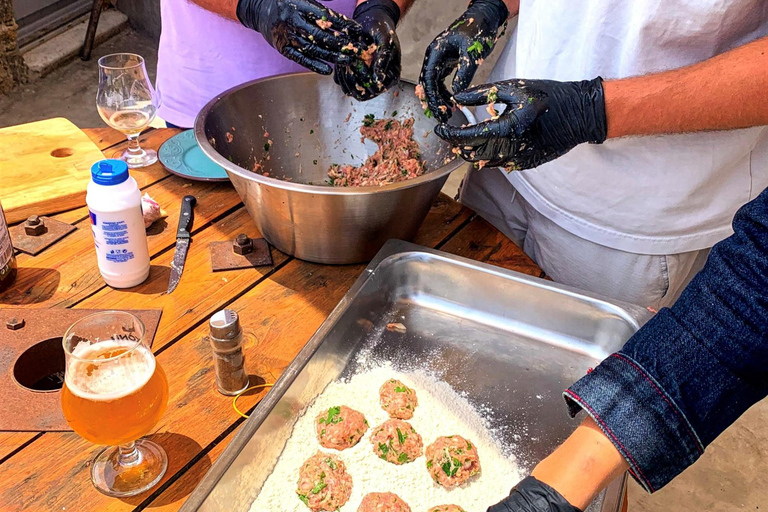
pixel 505 340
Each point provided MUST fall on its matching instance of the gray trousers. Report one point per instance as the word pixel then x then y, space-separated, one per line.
pixel 647 280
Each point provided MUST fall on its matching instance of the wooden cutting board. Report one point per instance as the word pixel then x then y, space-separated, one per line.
pixel 44 168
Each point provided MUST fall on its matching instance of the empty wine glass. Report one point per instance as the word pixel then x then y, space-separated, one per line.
pixel 127 102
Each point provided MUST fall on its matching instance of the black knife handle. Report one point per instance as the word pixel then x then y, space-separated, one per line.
pixel 187 217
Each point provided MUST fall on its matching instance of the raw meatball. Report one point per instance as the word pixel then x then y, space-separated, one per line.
pixel 397 442
pixel 324 483
pixel 446 508
pixel 340 428
pixel 383 502
pixel 452 460
pixel 398 399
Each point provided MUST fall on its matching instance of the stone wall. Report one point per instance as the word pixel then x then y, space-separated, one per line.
pixel 12 68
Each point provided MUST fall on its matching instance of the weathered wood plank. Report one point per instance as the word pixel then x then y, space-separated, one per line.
pixel 106 137
pixel 10 441
pixel 68 272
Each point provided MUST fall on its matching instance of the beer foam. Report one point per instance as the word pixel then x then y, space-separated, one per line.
pixel 112 379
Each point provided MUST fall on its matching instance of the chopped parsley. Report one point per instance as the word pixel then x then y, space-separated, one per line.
pixel 401 437
pixel 314 162
pixel 367 85
pixel 394 113
pixel 266 146
pixel 403 457
pixel 322 433
pixel 476 48
pixel 330 463
pixel 324 18
pixel 333 413
pixel 319 487
pixel 384 449
pixel 388 126
pixel 304 498
pixel 493 95
pixel 451 466
pixel 458 24
pixel 369 119
pixel 429 464
pixel 401 389
pixel 428 113
pixel 469 445
pixel 530 100
pixel 311 132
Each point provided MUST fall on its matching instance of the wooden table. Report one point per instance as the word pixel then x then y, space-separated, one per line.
pixel 280 307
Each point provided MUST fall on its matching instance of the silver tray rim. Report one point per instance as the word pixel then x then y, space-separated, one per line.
pixel 614 493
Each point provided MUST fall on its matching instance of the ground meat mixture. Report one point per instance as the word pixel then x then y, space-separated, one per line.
pixel 446 508
pixel 398 399
pixel 397 442
pixel 398 157
pixel 383 502
pixel 340 427
pixel 452 460
pixel 324 483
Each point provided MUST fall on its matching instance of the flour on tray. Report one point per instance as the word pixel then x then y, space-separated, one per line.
pixel 441 412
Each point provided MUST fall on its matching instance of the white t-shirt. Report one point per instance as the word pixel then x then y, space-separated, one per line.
pixel 648 195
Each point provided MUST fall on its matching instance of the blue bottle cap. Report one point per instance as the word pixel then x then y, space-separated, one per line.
pixel 109 172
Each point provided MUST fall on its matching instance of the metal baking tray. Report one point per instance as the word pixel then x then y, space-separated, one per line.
pixel 506 341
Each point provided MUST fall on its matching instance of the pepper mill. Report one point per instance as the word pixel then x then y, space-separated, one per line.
pixel 228 357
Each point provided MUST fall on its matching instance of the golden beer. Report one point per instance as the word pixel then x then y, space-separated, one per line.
pixel 114 392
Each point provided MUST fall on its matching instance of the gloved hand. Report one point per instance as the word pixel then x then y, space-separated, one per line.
pixel 532 495
pixel 366 80
pixel 302 30
pixel 464 44
pixel 542 120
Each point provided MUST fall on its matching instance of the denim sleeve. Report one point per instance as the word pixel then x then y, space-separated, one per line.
pixel 693 369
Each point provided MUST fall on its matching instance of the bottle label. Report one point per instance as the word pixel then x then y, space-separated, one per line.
pixel 6 249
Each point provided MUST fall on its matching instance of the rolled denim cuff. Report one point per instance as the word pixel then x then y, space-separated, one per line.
pixel 639 418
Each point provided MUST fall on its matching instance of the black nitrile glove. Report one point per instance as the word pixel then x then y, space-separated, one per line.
pixel 302 30
pixel 542 120
pixel 366 80
pixel 531 495
pixel 463 45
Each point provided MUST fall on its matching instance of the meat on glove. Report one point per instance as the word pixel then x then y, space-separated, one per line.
pixel 532 495
pixel 304 31
pixel 379 67
pixel 541 120
pixel 462 47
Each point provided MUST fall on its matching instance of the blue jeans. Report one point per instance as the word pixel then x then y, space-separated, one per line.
pixel 694 368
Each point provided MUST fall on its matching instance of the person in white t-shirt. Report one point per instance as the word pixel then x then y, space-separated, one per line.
pixel 673 152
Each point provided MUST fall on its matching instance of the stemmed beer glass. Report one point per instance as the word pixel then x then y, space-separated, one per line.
pixel 127 102
pixel 114 393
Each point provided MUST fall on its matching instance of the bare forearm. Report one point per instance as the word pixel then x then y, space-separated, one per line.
pixel 226 8
pixel 721 93
pixel 582 466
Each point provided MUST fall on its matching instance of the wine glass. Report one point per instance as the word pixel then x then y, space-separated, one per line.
pixel 127 102
pixel 114 393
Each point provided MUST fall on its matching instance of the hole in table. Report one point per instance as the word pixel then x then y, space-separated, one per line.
pixel 40 368
pixel 62 152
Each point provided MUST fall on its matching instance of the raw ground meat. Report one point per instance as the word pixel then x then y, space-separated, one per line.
pixel 446 508
pixel 397 399
pixel 340 428
pixel 397 442
pixel 324 483
pixel 383 502
pixel 452 460
pixel 398 157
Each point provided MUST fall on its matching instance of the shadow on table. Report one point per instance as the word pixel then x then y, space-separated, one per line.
pixel 183 473
pixel 32 286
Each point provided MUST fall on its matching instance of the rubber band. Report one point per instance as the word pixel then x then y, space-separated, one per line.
pixel 234 400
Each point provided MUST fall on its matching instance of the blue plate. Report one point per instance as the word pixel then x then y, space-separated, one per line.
pixel 182 156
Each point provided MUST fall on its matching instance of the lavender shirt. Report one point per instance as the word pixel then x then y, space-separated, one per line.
pixel 202 54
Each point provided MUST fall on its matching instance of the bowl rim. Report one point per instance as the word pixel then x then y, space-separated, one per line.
pixel 232 168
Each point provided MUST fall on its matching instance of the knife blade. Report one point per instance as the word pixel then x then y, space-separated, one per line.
pixel 183 237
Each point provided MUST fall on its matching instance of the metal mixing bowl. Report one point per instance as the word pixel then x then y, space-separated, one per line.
pixel 311 124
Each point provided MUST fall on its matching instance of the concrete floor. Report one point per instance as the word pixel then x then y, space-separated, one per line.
pixel 728 477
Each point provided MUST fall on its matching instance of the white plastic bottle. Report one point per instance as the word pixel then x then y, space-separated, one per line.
pixel 114 202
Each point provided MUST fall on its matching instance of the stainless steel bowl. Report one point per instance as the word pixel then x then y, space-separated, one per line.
pixel 311 125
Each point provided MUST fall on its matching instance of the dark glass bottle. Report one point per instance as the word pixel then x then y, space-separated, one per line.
pixel 7 259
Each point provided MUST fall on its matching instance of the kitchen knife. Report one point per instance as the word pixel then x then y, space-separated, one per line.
pixel 183 237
